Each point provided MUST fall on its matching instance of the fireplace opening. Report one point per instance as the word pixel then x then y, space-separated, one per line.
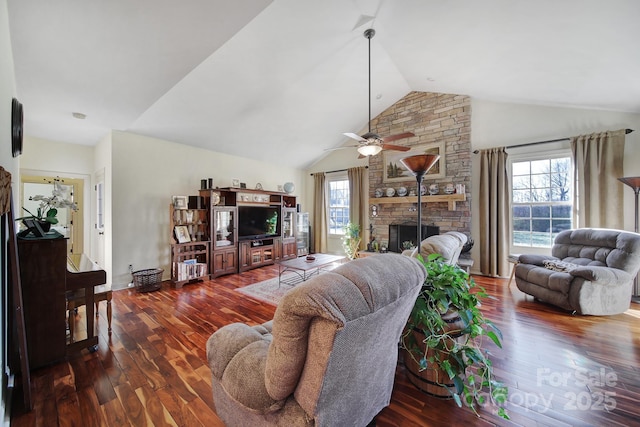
pixel 399 233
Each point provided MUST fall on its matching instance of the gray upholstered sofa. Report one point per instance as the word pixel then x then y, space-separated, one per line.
pixel 329 356
pixel 591 271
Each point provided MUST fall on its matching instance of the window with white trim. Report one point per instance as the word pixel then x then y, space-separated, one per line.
pixel 541 200
pixel 338 215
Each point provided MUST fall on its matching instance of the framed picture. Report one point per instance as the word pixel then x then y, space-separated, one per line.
pixel 394 170
pixel 182 234
pixel 180 202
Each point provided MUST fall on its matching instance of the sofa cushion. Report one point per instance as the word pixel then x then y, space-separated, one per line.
pixel 557 281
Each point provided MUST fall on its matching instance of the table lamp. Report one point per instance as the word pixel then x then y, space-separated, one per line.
pixel 419 165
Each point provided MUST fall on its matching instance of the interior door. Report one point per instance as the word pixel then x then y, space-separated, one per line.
pixel 98 229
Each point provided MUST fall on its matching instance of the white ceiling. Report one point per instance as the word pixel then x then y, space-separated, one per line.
pixel 281 80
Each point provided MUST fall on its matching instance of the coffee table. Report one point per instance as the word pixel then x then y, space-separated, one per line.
pixel 305 268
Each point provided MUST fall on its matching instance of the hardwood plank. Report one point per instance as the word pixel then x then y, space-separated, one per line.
pixel 132 405
pixel 153 406
pixel 152 369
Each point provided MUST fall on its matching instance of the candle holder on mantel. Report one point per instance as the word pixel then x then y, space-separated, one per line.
pixel 420 165
pixel 634 183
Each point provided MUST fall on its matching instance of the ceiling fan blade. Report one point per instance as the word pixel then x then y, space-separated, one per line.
pixel 398 136
pixel 340 148
pixel 395 147
pixel 354 136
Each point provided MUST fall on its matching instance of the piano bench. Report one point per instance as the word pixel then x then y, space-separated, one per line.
pixel 76 299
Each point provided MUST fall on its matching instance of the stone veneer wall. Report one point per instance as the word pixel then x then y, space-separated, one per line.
pixel 432 117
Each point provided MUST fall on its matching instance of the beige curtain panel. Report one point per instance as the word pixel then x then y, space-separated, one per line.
pixel 319 230
pixel 598 163
pixel 357 204
pixel 494 212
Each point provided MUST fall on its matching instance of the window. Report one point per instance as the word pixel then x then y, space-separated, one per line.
pixel 100 206
pixel 541 200
pixel 338 205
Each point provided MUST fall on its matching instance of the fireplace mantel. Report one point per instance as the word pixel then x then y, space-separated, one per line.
pixel 451 199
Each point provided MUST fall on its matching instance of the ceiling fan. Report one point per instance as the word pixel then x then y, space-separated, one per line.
pixel 370 143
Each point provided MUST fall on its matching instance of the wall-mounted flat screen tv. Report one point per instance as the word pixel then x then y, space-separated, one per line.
pixel 258 222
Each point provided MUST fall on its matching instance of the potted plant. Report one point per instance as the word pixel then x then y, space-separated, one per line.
pixel 442 341
pixel 351 240
pixel 47 211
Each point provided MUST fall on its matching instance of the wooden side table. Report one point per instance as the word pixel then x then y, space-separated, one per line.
pixel 465 264
pixel 513 259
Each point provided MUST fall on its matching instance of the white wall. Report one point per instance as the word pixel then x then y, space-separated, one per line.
pixel 7 93
pixel 495 124
pixel 45 155
pixel 147 172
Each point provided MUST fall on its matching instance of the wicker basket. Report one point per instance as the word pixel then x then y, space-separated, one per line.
pixel 148 280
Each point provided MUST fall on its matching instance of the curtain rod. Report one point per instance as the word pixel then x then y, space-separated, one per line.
pixel 339 170
pixel 626 131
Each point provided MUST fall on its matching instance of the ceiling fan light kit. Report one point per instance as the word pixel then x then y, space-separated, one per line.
pixel 371 143
pixel 369 150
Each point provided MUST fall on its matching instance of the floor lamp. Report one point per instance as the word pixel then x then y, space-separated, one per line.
pixel 419 165
pixel 634 183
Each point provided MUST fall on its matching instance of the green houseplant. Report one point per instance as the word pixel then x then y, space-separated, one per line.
pixel 351 240
pixel 443 339
pixel 47 210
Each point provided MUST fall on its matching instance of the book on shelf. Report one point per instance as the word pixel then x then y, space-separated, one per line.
pixel 189 269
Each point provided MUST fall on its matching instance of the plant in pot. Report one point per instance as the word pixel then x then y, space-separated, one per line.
pixel 442 341
pixel 47 211
pixel 351 240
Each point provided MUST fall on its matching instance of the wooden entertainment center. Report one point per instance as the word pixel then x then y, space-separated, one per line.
pixel 235 230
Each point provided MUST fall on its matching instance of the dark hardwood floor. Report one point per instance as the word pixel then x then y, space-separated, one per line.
pixel 562 370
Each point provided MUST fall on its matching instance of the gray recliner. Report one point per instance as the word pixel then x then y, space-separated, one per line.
pixel 329 356
pixel 591 271
pixel 449 245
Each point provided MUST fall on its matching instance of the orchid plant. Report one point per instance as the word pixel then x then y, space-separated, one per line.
pixel 49 206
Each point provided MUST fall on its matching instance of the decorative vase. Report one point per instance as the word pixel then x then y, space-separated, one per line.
pixel 45 225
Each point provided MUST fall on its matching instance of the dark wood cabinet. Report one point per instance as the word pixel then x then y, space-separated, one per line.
pixel 229 254
pixel 224 262
pixel 43 266
pixel 256 253
pixel 224 250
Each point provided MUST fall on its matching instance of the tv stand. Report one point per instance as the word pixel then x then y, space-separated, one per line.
pixel 256 253
pixel 229 254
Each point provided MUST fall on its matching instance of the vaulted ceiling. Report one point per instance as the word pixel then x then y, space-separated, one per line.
pixel 281 80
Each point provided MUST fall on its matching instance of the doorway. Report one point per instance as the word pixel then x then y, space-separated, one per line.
pixel 70 223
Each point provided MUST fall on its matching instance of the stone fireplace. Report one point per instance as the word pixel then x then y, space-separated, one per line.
pixel 439 122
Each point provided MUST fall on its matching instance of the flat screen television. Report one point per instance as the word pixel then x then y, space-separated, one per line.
pixel 258 222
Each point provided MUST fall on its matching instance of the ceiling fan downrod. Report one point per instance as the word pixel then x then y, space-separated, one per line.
pixel 368 34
